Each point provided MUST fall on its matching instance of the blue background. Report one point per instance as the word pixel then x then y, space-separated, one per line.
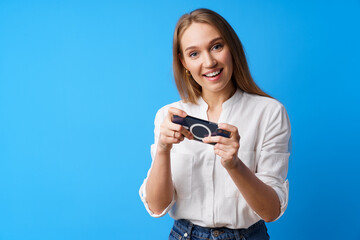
pixel 81 81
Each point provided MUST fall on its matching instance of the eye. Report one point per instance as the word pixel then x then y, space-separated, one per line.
pixel 193 54
pixel 217 46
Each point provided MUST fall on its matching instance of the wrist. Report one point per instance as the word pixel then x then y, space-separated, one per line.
pixel 164 148
pixel 234 164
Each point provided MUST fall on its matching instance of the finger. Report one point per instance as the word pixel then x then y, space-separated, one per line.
pixel 186 133
pixel 168 133
pixel 171 133
pixel 229 149
pixel 227 127
pixel 222 154
pixel 230 128
pixel 175 111
pixel 171 140
pixel 178 136
pixel 217 139
pixel 166 140
pixel 222 147
pixel 174 127
pixel 175 134
pixel 179 128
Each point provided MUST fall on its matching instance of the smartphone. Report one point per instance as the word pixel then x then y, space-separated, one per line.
pixel 200 128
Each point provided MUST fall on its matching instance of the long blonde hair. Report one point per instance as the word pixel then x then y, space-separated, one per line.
pixel 188 88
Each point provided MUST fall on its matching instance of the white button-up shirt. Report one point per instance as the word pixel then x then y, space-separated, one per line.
pixel 204 192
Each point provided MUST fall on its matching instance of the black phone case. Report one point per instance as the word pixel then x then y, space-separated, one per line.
pixel 200 128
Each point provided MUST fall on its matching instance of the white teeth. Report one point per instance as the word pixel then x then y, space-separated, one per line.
pixel 212 74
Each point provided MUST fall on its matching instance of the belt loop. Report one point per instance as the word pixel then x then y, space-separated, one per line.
pixel 238 235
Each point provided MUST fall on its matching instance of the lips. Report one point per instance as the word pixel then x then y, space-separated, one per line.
pixel 213 75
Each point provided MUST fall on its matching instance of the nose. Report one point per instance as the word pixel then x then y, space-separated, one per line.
pixel 209 61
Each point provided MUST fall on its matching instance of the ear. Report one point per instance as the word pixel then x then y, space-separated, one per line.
pixel 182 60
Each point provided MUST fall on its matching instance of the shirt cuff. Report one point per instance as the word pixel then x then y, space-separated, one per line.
pixel 142 193
pixel 281 189
pixel 283 194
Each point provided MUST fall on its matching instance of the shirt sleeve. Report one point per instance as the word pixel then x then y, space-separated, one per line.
pixel 142 192
pixel 273 163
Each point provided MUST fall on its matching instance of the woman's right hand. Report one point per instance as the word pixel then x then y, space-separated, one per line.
pixel 170 132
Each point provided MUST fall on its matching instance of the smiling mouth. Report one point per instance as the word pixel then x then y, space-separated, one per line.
pixel 213 74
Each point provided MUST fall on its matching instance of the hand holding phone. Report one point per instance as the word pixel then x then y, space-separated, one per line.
pixel 200 128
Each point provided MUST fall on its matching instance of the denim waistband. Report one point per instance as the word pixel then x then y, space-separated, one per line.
pixel 187 229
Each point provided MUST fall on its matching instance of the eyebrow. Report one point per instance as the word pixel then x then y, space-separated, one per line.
pixel 211 42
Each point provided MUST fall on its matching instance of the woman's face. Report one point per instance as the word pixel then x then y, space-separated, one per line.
pixel 206 55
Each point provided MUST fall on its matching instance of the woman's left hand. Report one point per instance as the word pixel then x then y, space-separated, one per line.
pixel 226 148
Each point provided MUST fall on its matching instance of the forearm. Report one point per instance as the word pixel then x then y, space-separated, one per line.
pixel 159 186
pixel 261 197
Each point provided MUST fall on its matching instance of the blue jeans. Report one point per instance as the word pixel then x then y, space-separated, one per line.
pixel 184 229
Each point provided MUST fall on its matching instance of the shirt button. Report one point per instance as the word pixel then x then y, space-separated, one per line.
pixel 185 234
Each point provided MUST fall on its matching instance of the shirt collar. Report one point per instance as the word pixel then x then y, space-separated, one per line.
pixel 235 98
pixel 201 102
pixel 227 104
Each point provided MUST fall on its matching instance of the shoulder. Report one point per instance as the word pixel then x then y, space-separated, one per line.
pixel 262 103
pixel 271 111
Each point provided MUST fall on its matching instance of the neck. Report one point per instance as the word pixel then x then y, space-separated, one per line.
pixel 215 100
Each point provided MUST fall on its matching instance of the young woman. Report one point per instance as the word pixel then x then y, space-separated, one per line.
pixel 226 190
